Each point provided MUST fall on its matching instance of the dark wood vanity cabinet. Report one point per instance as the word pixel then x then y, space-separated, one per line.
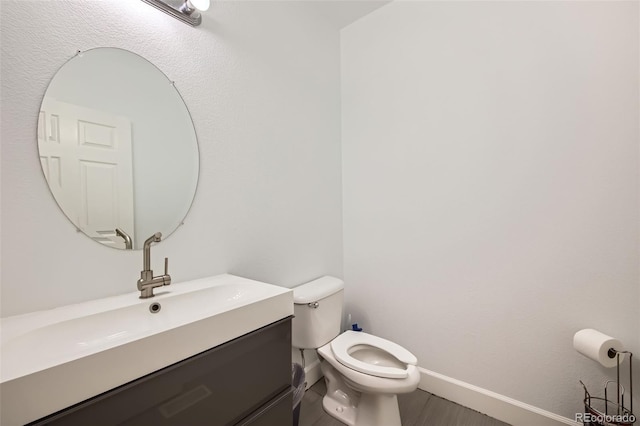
pixel 246 381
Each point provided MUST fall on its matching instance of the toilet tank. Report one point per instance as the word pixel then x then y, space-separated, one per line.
pixel 317 312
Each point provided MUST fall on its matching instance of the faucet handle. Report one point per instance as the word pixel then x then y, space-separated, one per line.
pixel 166 266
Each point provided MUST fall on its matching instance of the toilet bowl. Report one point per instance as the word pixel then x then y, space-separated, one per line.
pixel 372 355
pixel 364 373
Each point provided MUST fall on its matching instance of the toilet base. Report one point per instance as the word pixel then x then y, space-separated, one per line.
pixel 340 401
pixel 378 410
pixel 344 413
pixel 372 410
pixel 355 408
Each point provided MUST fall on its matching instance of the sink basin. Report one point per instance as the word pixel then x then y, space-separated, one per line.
pixel 66 355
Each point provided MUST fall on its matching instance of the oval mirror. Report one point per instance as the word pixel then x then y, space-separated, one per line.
pixel 117 147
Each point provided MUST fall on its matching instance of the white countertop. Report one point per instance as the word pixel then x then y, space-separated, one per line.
pixel 53 359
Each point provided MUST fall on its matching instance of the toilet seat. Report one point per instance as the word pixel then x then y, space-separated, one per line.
pixel 340 347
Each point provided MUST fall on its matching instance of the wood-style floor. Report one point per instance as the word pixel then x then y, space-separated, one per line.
pixel 418 408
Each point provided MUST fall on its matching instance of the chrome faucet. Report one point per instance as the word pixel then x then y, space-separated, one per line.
pixel 127 239
pixel 147 281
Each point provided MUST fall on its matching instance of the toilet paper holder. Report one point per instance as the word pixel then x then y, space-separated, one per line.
pixel 605 412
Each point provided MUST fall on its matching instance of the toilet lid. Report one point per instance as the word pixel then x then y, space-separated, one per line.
pixel 341 345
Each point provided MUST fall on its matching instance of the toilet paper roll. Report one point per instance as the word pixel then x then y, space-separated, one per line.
pixel 595 345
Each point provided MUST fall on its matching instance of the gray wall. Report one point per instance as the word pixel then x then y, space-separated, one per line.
pixel 262 83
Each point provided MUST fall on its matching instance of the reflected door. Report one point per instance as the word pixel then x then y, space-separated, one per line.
pixel 87 161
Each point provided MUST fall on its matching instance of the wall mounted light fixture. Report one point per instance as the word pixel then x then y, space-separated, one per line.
pixel 185 10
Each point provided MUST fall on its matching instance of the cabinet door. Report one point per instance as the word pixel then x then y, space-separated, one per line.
pixel 218 387
pixel 276 412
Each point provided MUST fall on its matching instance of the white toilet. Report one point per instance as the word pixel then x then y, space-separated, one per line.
pixel 363 373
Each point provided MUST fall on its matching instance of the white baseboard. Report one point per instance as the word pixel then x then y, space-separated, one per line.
pixel 312 373
pixel 498 406
pixel 490 403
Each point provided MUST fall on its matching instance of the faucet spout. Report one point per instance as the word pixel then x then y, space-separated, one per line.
pixel 125 237
pixel 147 281
pixel 146 256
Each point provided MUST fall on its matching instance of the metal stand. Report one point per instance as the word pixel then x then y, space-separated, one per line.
pixel 606 412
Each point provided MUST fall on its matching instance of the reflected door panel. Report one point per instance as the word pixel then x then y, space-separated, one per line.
pixel 50 151
pixel 87 159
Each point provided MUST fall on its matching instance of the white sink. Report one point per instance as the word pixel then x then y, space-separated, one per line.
pixel 59 357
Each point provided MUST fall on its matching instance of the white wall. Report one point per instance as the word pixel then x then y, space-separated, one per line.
pixel 262 83
pixel 491 187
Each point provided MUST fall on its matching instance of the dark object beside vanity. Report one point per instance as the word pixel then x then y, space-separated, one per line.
pixel 246 381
